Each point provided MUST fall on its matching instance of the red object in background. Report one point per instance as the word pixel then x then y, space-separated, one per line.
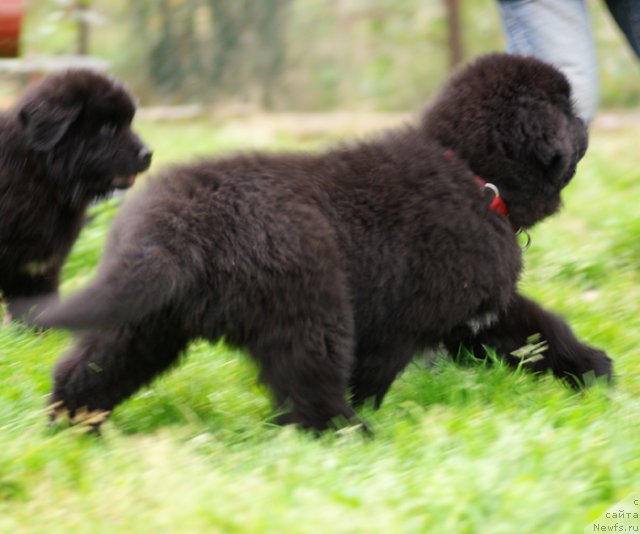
pixel 11 12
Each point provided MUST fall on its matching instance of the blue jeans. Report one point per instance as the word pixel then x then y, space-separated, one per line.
pixel 558 32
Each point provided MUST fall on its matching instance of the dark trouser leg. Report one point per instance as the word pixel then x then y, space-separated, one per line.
pixel 627 15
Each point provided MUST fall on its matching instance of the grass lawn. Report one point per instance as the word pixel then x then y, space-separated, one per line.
pixel 456 449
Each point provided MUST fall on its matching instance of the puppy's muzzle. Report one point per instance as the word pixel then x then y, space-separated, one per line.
pixel 142 163
pixel 144 158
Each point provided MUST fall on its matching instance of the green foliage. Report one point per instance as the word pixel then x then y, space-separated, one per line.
pixel 457 448
pixel 296 54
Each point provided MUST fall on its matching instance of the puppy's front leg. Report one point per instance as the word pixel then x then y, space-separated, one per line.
pixel 25 287
pixel 558 348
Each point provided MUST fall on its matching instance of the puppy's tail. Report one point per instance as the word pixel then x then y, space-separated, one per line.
pixel 119 294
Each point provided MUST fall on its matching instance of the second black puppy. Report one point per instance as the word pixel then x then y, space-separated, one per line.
pixel 333 270
pixel 66 143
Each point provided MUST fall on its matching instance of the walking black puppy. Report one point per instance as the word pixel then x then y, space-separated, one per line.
pixel 65 144
pixel 332 270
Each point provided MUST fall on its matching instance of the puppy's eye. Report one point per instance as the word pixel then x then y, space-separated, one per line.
pixel 108 130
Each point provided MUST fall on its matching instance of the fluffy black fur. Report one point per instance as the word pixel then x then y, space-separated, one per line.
pixel 332 270
pixel 66 143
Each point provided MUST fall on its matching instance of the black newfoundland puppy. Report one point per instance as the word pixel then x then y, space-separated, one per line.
pixel 66 143
pixel 332 270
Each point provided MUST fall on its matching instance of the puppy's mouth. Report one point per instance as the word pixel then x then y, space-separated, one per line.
pixel 124 182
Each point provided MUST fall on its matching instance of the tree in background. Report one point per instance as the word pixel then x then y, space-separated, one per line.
pixel 293 54
pixel 83 15
pixel 217 48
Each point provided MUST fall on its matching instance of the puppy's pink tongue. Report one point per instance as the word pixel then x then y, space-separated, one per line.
pixel 123 182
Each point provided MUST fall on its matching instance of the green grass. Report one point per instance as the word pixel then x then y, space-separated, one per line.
pixel 459 449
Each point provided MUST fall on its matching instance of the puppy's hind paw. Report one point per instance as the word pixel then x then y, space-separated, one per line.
pixel 87 420
pixel 58 413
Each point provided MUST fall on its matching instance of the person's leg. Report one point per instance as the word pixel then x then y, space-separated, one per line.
pixel 626 13
pixel 558 32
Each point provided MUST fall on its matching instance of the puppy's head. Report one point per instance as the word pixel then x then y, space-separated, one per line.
pixel 511 118
pixel 79 122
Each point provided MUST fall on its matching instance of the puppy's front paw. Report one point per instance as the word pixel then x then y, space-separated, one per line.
pixel 589 366
pixel 599 365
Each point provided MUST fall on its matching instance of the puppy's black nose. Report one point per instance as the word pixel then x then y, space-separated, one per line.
pixel 144 157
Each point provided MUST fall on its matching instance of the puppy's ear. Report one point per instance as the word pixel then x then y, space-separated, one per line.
pixel 45 125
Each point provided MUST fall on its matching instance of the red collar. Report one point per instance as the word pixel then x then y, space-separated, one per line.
pixel 497 204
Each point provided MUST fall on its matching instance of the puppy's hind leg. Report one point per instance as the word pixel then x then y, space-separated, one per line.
pixel 309 375
pixel 107 366
pixel 306 361
pixel 376 368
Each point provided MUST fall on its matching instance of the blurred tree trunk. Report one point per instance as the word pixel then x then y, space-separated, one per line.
pixel 165 61
pixel 195 66
pixel 249 46
pixel 271 41
pixel 81 12
pixel 226 49
pixel 227 28
pixel 454 34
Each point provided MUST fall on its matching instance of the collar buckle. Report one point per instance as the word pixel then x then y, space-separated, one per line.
pixel 497 204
